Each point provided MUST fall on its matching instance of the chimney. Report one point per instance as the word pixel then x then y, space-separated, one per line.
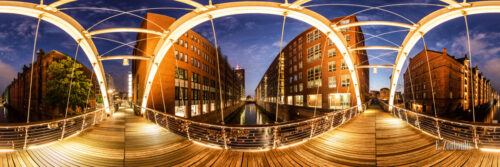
pixel 444 51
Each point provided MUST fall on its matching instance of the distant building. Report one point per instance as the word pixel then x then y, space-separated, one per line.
pixel 374 94
pixel 451 78
pixel 18 90
pixel 240 74
pixel 189 75
pixel 303 72
pixel 384 94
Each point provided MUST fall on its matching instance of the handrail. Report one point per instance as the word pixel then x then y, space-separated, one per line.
pixel 36 134
pixel 481 135
pixel 251 137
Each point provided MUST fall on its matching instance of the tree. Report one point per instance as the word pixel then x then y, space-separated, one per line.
pixel 58 85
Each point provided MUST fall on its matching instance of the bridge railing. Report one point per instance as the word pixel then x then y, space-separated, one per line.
pixel 251 137
pixel 31 135
pixel 477 134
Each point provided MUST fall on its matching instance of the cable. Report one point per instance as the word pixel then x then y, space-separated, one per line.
pixel 470 69
pixel 281 60
pixel 32 64
pixel 218 69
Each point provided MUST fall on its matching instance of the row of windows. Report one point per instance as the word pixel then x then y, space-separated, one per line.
pixel 335 100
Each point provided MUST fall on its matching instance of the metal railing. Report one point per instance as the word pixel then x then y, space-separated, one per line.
pixel 251 137
pixel 478 134
pixel 31 135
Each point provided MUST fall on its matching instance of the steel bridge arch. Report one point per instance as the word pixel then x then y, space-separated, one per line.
pixel 203 13
pixel 431 21
pixel 67 24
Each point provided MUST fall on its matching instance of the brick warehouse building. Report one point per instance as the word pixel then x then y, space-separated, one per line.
pixel 302 73
pixel 451 83
pixel 193 91
pixel 18 90
pixel 240 73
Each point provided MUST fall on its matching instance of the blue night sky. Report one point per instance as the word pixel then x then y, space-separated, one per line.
pixel 252 40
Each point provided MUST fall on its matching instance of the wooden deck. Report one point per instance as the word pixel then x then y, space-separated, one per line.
pixel 375 138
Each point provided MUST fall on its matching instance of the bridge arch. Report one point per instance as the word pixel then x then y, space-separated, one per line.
pixel 430 22
pixel 68 25
pixel 203 13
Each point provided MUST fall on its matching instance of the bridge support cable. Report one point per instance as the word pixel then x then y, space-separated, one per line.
pixel 161 88
pixel 281 61
pixel 87 103
pixel 176 56
pixel 470 68
pixel 31 79
pixel 220 84
pixel 432 85
pixel 321 70
pixel 69 91
pixel 411 87
pixel 218 70
pixel 475 138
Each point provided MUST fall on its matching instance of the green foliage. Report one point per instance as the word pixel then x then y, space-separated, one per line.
pixel 58 85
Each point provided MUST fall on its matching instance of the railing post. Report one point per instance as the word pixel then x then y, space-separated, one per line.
pixel 95 116
pixel 25 137
pixel 333 118
pixel 166 121
pixel 312 130
pixel 406 114
pixel 187 132
pixel 64 128
pixel 156 121
pixel 83 122
pixel 475 137
pixel 275 137
pixel 418 122
pixel 343 117
pixel 438 129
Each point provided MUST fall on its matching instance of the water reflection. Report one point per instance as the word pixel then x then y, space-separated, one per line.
pixel 494 116
pixel 249 115
pixel 4 115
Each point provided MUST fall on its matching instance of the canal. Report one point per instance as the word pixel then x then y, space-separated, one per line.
pixel 250 114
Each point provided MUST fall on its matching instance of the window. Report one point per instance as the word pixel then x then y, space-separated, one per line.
pixel 295 88
pixel 294 68
pixel 300 41
pixel 195 77
pixel 295 77
pixel 339 100
pixel 180 111
pixel 195 110
pixel 181 74
pixel 345 21
pixel 314 100
pixel 314 77
pixel 332 82
pixel 300 56
pixel 314 35
pixel 181 93
pixel 300 47
pixel 330 42
pixel 195 94
pixel 186 45
pixel 301 87
pixel 347 37
pixel 332 52
pixel 332 66
pixel 451 95
pixel 300 75
pixel 300 65
pixel 346 81
pixel 344 65
pixel 299 100
pixel 314 53
pixel 290 100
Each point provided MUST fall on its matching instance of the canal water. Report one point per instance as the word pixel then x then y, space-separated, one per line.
pixel 250 114
pixel 494 116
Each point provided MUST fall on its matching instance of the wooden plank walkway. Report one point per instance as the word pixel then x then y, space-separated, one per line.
pixel 374 138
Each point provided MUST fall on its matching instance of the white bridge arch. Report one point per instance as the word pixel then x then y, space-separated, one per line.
pixel 69 25
pixel 431 21
pixel 203 13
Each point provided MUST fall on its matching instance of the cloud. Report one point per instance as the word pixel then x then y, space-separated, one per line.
pixel 250 25
pixel 7 73
pixel 492 71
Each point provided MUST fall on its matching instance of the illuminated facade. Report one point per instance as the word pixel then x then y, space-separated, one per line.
pixel 304 70
pixel 191 90
pixel 451 79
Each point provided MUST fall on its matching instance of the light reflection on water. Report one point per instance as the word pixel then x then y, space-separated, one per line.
pixel 494 116
pixel 4 115
pixel 251 115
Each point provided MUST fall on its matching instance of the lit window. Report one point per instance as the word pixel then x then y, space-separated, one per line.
pixel 290 100
pixel 332 82
pixel 314 53
pixel 347 37
pixel 344 65
pixel 332 52
pixel 314 77
pixel 301 87
pixel 332 66
pixel 299 100
pixel 314 100
pixel 346 81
